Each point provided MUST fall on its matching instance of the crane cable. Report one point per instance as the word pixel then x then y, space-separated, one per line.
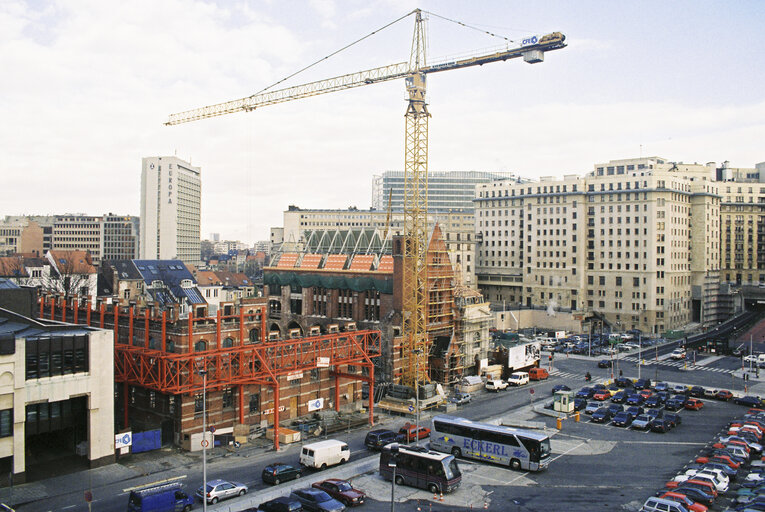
pixel 472 27
pixel 333 54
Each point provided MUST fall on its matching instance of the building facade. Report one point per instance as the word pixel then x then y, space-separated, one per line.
pixel 170 209
pixel 447 191
pixel 632 243
pixel 52 392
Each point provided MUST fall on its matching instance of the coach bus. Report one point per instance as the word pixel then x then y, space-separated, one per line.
pixel 419 467
pixel 518 448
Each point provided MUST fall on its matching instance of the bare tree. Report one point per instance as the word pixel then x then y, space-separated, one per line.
pixel 68 276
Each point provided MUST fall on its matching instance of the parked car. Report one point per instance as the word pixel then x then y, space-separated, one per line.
pixel 615 408
pixel 278 473
pixel 460 398
pixel 661 386
pixel 601 395
pixel 674 404
pixel 602 415
pixel 620 397
pixel 749 401
pixel 653 401
pixel 160 498
pixel 317 500
pixel 281 504
pixel 660 425
pixel 674 418
pixel 376 439
pixel 642 422
pixel 654 413
pixel 635 411
pixel 342 491
pixel 623 382
pixel 662 505
pixel 560 387
pixel 696 391
pixel 410 432
pixel 679 388
pixel 518 379
pixel 592 407
pixel 685 501
pixel 496 385
pixel 642 384
pixel 622 419
pixel 696 493
pixel 580 404
pixel 724 395
pixel 694 404
pixel 635 399
pixel 538 374
pixel 585 392
pixel 220 490
pixel 710 393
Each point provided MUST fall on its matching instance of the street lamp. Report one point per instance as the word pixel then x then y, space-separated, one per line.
pixel 416 353
pixel 392 465
pixel 203 373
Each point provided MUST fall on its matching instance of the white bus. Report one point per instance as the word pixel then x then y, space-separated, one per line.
pixel 520 449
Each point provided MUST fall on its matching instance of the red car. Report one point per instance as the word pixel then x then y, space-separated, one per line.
pixel 694 404
pixel 601 395
pixel 410 432
pixel 724 394
pixel 723 459
pixel 681 498
pixel 673 484
pixel 645 393
pixel 342 491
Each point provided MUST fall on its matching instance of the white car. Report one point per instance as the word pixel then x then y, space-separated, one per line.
pixel 678 353
pixel 719 484
pixel 518 379
pixel 750 359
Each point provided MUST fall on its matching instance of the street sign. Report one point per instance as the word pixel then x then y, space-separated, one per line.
pixel 212 429
pixel 531 390
pixel 411 408
pixel 123 440
pixel 322 362
pixel 88 496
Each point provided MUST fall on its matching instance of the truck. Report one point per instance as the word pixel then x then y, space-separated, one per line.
pixel 324 453
pixel 161 498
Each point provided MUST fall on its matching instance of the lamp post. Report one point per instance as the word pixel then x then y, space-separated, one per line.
pixel 392 464
pixel 640 352
pixel 203 373
pixel 416 353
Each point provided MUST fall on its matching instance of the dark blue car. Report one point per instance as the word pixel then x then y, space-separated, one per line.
pixel 622 419
pixel 749 401
pixel 602 415
pixel 635 399
pixel 585 392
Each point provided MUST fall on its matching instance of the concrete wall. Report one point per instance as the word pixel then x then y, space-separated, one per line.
pixel 527 318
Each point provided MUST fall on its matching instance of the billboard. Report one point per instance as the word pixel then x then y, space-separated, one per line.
pixel 523 355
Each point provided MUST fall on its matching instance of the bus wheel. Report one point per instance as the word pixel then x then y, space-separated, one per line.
pixel 399 480
pixel 433 488
pixel 456 452
pixel 515 464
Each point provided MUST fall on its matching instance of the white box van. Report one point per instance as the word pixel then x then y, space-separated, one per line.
pixel 518 379
pixel 324 453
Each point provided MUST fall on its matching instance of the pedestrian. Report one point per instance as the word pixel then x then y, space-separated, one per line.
pixel 621 373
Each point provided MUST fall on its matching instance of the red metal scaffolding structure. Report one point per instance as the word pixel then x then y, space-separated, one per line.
pixel 260 363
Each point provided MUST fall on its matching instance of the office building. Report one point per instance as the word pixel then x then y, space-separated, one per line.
pixel 633 244
pixel 447 191
pixel 170 210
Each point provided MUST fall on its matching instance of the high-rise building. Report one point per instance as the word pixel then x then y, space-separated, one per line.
pixel 170 209
pixel 447 191
pixel 633 243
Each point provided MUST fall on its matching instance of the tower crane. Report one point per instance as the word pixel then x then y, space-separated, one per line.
pixel 415 240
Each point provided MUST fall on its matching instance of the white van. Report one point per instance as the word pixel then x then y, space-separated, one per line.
pixel 518 379
pixel 324 453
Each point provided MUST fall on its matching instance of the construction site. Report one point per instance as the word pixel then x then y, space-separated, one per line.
pixel 335 330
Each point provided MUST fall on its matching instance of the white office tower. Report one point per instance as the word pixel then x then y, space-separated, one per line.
pixel 171 194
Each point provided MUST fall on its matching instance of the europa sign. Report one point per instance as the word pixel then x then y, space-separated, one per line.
pixel 322 362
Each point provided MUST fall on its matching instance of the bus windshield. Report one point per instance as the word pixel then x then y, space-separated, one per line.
pixel 452 471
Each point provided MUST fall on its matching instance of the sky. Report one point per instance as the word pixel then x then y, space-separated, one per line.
pixel 87 85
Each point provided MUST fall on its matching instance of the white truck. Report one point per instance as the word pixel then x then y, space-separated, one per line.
pixel 323 454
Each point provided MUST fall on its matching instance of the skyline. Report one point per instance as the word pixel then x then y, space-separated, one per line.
pixel 94 81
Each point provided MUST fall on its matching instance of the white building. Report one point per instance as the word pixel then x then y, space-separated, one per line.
pixel 54 385
pixel 170 209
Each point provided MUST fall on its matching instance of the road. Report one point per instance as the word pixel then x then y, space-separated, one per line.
pixel 624 466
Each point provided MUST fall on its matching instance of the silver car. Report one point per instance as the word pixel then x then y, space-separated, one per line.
pixel 221 489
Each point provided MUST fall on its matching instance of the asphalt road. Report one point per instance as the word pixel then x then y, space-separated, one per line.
pixel 603 468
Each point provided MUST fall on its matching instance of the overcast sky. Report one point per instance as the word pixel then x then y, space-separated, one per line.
pixel 86 86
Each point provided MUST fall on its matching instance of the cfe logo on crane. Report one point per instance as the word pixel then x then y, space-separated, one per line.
pixel 529 40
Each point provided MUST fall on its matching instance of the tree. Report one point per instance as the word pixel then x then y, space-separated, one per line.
pixel 72 274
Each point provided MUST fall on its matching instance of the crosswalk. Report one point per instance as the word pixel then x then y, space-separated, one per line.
pixel 676 363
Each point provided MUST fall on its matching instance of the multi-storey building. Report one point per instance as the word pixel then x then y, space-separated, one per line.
pixel 170 209
pixel 365 231
pixel 617 244
pixel 104 237
pixel 742 225
pixel 447 191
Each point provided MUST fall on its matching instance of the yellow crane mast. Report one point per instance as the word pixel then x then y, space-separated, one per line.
pixel 415 289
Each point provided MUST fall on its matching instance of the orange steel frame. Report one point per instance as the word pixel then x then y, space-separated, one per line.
pixel 239 365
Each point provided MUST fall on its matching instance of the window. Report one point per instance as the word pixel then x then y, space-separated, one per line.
pixel 198 403
pixel 6 423
pixel 254 403
pixel 228 398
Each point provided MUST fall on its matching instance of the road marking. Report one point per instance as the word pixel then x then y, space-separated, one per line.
pixel 70 506
pixel 571 449
pixel 152 484
pixel 664 442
